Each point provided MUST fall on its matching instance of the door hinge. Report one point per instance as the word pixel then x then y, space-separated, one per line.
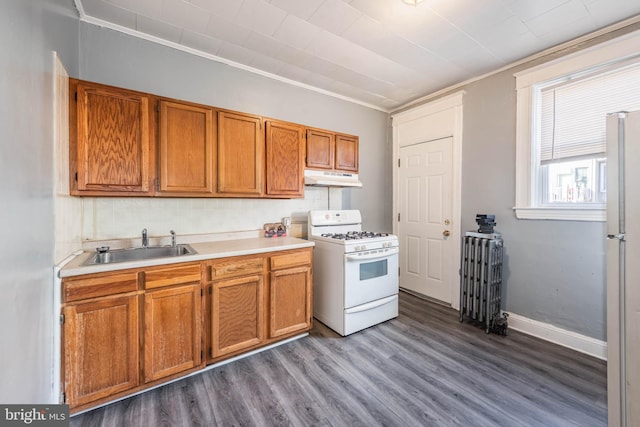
pixel 201 292
pixel 398 271
pixel 62 319
pixel 201 354
pixel 210 290
pixel 63 397
pixel 76 176
pixel 75 95
pixel 398 216
pixel 158 107
pixel 398 162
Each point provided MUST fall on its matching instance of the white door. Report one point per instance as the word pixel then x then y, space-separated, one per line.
pixel 425 210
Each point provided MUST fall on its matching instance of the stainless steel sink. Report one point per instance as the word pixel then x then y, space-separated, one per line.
pixel 104 255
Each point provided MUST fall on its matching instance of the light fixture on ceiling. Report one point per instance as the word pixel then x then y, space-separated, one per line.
pixel 412 2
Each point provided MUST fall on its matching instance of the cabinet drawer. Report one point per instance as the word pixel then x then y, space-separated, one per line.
pixel 79 288
pixel 290 259
pixel 236 267
pixel 171 275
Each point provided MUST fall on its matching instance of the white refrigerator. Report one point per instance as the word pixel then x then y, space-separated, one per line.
pixel 623 268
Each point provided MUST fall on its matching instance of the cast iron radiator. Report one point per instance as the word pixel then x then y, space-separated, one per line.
pixel 481 281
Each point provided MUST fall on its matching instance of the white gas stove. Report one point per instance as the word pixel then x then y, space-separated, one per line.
pixel 355 282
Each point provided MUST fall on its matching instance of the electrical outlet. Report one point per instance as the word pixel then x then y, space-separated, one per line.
pixel 286 221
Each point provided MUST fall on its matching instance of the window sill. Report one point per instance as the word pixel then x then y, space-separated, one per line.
pixel 562 214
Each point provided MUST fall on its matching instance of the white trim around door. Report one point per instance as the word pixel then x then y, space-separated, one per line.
pixel 438 119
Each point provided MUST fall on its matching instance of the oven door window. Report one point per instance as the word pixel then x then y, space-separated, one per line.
pixel 371 270
pixel 367 280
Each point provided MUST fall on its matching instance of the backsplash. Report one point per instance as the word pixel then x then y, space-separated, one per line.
pixel 106 218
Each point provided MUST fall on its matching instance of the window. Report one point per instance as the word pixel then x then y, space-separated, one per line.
pixel 561 136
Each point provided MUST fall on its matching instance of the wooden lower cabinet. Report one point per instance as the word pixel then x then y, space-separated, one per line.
pixel 237 316
pixel 127 330
pixel 257 300
pixel 172 331
pixel 100 348
pixel 290 301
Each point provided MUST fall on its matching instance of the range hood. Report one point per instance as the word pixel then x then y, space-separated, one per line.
pixel 331 179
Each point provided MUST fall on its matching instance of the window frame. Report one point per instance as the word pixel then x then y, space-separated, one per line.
pixel 528 189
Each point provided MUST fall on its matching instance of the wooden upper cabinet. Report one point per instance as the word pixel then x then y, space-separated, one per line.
pixel 320 149
pixel 128 143
pixel 285 159
pixel 346 153
pixel 111 139
pixel 240 154
pixel 186 148
pixel 329 150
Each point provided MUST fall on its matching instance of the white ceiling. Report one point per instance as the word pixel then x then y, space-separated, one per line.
pixel 381 53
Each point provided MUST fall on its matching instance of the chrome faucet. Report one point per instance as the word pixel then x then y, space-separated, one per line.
pixel 173 238
pixel 145 238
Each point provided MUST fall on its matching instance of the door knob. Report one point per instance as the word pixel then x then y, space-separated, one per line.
pixel 446 233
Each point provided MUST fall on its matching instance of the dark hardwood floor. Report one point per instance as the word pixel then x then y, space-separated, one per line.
pixel 422 369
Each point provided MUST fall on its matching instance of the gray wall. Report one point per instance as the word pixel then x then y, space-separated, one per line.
pixel 121 60
pixel 555 270
pixel 30 31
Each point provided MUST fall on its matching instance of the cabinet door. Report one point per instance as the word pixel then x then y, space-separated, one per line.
pixel 320 149
pixel 290 301
pixel 240 154
pixel 285 159
pixel 347 153
pixel 100 354
pixel 113 141
pixel 237 319
pixel 172 337
pixel 186 162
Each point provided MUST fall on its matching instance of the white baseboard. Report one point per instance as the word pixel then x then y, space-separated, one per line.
pixel 548 332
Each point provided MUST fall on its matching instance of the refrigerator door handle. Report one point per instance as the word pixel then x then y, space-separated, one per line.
pixel 620 236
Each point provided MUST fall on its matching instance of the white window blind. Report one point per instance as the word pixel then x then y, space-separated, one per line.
pixel 573 112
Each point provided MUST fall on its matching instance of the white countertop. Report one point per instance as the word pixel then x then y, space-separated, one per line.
pixel 205 251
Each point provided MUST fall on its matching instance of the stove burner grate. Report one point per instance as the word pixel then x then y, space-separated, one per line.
pixel 354 235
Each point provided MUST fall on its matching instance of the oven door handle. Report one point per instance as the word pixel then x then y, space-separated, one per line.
pixel 372 256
